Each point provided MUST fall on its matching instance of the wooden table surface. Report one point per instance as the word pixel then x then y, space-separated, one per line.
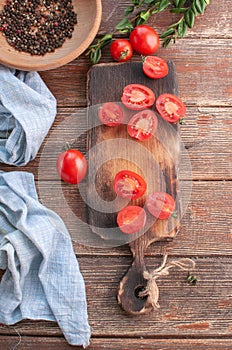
pixel 198 316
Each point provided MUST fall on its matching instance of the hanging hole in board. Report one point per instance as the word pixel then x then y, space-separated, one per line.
pixel 138 290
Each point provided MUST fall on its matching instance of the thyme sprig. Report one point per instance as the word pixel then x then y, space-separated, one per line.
pixel 140 11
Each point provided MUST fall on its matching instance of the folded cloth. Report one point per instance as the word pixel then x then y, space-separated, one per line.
pixel 42 278
pixel 27 111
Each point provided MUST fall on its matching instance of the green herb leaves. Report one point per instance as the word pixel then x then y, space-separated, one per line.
pixel 139 12
pixel 94 51
pixel 189 13
pixel 191 279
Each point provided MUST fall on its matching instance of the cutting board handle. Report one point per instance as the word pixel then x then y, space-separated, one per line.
pixel 133 283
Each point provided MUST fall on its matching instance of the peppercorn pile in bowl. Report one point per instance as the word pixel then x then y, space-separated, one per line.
pixel 46 34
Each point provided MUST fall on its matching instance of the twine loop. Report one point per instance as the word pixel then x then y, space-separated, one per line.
pixel 152 290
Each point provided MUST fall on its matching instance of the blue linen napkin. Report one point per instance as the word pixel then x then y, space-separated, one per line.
pixel 27 111
pixel 42 278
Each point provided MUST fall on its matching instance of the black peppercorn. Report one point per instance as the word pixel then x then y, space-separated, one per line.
pixel 37 26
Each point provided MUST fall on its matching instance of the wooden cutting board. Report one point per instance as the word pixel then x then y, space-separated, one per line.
pixel 110 149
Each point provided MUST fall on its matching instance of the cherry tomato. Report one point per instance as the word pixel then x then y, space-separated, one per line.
pixel 137 97
pixel 160 204
pixel 155 67
pixel 131 219
pixel 143 125
pixel 121 50
pixel 170 108
pixel 111 114
pixel 128 184
pixel 144 39
pixel 71 166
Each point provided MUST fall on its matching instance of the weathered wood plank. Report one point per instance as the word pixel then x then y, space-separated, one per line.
pixel 203 63
pixel 38 343
pixel 204 130
pixel 204 229
pixel 203 67
pixel 206 134
pixel 203 310
pixel 216 22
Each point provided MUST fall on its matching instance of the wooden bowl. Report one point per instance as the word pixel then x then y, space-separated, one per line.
pixel 89 14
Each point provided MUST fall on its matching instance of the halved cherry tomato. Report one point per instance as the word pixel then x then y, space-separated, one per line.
pixel 170 108
pixel 144 39
pixel 131 219
pixel 160 204
pixel 143 125
pixel 71 166
pixel 111 114
pixel 137 97
pixel 155 67
pixel 128 184
pixel 121 50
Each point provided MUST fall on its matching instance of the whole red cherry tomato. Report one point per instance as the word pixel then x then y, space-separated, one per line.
pixel 170 108
pixel 128 184
pixel 131 219
pixel 71 166
pixel 137 96
pixel 121 50
pixel 143 125
pixel 155 67
pixel 160 204
pixel 144 39
pixel 111 114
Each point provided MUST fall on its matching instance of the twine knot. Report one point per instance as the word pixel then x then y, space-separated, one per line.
pixel 152 290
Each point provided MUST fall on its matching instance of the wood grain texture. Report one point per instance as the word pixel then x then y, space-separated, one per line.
pixel 45 343
pixel 194 72
pixel 214 23
pixel 190 316
pixel 204 129
pixel 199 58
pixel 185 310
pixel 156 160
pixel 205 227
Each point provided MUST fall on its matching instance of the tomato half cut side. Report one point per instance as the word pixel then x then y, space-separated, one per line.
pixel 137 97
pixel 170 108
pixel 143 125
pixel 155 67
pixel 160 204
pixel 111 114
pixel 131 219
pixel 128 184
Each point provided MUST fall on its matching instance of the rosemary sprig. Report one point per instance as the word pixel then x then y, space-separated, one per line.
pixel 140 11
